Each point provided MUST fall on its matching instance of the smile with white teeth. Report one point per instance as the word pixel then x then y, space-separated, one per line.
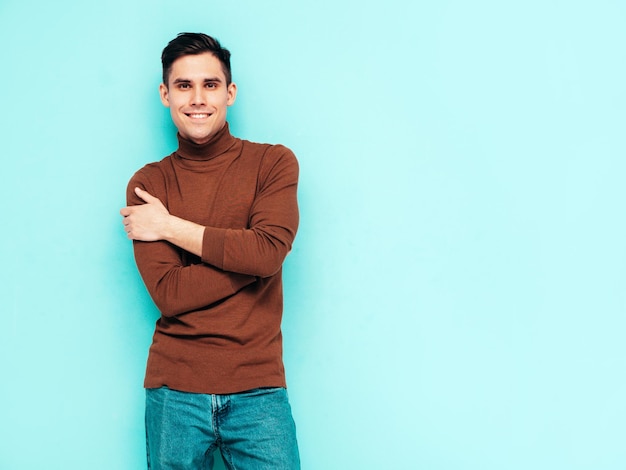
pixel 198 115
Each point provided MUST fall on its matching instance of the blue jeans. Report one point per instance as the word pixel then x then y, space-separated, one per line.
pixel 252 430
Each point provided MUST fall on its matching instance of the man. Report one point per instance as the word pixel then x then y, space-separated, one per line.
pixel 211 225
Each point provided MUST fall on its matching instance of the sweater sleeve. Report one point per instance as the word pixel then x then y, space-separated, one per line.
pixel 260 249
pixel 177 288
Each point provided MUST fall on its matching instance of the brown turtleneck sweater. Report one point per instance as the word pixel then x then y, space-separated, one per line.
pixel 219 330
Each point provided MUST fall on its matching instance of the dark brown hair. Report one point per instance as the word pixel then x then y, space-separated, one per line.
pixel 193 44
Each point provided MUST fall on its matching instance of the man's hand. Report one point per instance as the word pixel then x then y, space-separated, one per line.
pixel 151 222
pixel 147 222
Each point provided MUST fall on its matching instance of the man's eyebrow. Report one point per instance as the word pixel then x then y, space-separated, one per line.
pixel 206 80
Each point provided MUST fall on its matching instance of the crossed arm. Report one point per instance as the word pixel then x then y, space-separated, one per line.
pixel 231 258
pixel 175 286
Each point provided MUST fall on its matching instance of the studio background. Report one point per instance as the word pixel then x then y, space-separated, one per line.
pixel 455 298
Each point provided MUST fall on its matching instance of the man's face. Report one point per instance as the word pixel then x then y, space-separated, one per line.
pixel 198 96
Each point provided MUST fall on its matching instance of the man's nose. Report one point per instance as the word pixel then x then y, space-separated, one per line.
pixel 198 96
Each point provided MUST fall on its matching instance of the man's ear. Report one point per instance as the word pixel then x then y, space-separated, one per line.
pixel 163 92
pixel 232 94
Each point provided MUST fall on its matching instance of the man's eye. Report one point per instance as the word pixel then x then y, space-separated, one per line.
pixel 184 86
pixel 211 85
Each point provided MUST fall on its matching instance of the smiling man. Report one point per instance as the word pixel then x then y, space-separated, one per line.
pixel 211 225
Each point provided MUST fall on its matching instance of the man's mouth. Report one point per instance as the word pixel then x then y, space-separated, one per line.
pixel 198 115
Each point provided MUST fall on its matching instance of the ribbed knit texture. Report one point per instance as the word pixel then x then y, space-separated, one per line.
pixel 219 330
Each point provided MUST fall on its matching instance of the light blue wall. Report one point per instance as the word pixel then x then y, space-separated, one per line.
pixel 455 299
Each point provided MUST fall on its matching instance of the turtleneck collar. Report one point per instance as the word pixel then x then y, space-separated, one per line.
pixel 219 144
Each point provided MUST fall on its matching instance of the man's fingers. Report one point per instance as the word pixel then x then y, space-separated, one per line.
pixel 146 196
